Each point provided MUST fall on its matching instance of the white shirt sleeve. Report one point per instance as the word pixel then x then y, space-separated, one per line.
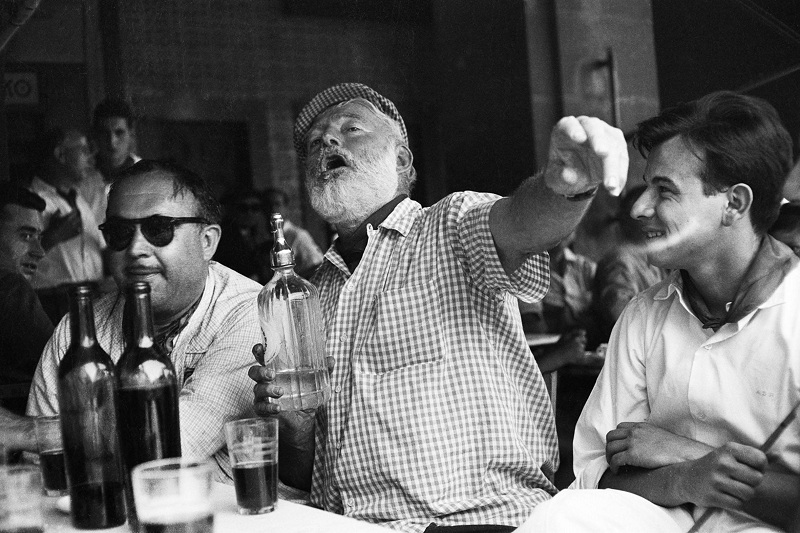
pixel 619 395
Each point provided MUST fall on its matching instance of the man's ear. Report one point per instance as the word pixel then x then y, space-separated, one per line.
pixel 404 158
pixel 210 240
pixel 740 200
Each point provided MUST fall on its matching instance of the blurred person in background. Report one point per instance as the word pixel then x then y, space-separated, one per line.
pixel 71 239
pixel 306 252
pixel 24 326
pixel 787 227
pixel 623 272
pixel 246 239
pixel 114 134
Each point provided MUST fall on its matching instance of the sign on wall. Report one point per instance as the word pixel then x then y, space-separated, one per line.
pixel 21 88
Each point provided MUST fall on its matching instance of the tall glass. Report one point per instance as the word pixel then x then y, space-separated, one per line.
pixel 51 455
pixel 174 496
pixel 20 499
pixel 253 450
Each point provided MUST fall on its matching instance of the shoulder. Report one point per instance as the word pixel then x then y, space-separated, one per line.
pixel 230 285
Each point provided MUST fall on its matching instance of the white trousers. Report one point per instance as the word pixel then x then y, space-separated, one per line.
pixel 608 510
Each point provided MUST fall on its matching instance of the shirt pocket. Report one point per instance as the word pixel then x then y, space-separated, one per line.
pixel 407 330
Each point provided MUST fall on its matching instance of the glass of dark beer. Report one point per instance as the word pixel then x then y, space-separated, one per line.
pixel 51 455
pixel 21 499
pixel 174 495
pixel 253 450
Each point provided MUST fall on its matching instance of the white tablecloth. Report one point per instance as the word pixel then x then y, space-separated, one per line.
pixel 288 517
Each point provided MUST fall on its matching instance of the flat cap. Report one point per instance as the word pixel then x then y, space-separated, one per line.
pixel 334 95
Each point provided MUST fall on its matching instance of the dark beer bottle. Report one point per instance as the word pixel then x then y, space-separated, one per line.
pixel 87 397
pixel 149 428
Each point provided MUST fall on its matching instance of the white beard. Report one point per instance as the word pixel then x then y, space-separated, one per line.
pixel 347 196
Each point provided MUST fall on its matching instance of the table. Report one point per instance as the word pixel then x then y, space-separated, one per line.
pixel 288 517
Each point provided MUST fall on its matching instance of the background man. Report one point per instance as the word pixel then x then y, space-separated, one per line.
pixel 114 132
pixel 438 411
pixel 162 227
pixel 71 239
pixel 787 227
pixel 704 366
pixel 24 326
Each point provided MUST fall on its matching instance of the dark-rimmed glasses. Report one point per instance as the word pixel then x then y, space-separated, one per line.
pixel 159 230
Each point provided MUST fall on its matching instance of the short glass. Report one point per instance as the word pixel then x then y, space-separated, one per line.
pixel 174 495
pixel 51 455
pixel 253 451
pixel 21 499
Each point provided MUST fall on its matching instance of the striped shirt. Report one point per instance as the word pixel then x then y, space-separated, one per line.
pixel 438 411
pixel 211 357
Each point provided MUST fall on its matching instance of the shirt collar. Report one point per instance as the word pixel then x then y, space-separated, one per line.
pixel 352 248
pixel 757 291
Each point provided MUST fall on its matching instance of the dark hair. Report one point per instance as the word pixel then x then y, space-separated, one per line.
pixel 182 179
pixel 110 108
pixel 46 144
pixel 16 194
pixel 788 219
pixel 739 138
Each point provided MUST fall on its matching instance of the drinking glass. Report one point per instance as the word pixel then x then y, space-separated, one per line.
pixel 51 455
pixel 21 499
pixel 174 495
pixel 253 450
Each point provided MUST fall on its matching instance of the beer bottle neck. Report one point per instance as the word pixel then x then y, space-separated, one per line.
pixel 81 316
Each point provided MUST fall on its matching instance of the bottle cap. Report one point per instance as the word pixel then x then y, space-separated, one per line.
pixel 281 254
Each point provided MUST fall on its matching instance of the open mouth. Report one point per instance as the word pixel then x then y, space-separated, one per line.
pixel 334 161
pixel 29 267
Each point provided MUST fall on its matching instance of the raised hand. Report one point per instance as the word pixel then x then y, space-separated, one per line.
pixel 584 153
pixel 61 228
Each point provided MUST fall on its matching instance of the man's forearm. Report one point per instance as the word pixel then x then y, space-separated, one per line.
pixel 17 432
pixel 532 220
pixel 659 485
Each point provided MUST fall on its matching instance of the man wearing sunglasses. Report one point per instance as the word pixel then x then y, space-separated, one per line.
pixel 162 228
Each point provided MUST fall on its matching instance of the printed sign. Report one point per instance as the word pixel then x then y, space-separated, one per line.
pixel 22 88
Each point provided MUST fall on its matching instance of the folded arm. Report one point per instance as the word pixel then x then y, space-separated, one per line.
pixel 671 470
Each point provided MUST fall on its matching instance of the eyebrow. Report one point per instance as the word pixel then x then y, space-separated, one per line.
pixel 29 228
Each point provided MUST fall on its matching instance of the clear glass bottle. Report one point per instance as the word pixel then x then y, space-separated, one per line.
pixel 87 399
pixel 149 427
pixel 294 332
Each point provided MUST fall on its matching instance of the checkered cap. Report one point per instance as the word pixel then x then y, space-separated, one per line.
pixel 334 95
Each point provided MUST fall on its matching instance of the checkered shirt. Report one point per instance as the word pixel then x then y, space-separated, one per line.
pixel 438 411
pixel 211 357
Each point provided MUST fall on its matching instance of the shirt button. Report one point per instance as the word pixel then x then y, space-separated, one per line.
pixel 343 337
pixel 707 346
pixel 338 388
pixel 701 415
pixel 351 502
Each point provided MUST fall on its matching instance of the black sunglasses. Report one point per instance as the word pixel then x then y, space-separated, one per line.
pixel 159 230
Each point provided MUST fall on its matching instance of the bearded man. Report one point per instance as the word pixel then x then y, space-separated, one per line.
pixel 439 416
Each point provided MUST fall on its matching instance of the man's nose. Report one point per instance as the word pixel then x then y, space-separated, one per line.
pixel 36 250
pixel 643 206
pixel 329 138
pixel 139 245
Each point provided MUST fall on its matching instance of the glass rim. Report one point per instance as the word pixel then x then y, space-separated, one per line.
pixel 46 418
pixel 156 469
pixel 252 420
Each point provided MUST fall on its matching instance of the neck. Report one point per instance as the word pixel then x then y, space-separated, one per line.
pixel 163 318
pixel 719 280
